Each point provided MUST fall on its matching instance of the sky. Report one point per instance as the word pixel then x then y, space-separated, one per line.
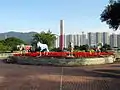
pixel 41 15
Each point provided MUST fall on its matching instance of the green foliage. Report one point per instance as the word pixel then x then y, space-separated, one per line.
pixel 13 41
pixel 84 47
pixel 111 14
pixel 45 38
pixel 99 44
pixel 10 44
pixel 81 48
pixel 4 48
pixel 76 47
pixel 55 49
pixel 106 47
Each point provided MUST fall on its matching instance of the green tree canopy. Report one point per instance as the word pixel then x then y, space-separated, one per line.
pixel 107 47
pixel 4 48
pixel 10 44
pixel 84 47
pixel 111 14
pixel 76 47
pixel 12 41
pixel 45 38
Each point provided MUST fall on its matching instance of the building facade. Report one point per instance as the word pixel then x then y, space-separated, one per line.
pixel 106 38
pixel 99 38
pixel 83 39
pixel 91 39
pixel 69 38
pixel 113 40
pixel 118 41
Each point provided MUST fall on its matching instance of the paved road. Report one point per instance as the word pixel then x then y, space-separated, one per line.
pixel 28 77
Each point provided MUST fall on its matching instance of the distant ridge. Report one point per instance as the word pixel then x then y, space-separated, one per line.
pixel 25 36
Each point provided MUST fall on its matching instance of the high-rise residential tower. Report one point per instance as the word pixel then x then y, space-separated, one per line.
pixel 69 38
pixel 99 38
pixel 83 39
pixel 106 38
pixel 113 40
pixel 75 40
pixel 78 40
pixel 91 39
pixel 118 41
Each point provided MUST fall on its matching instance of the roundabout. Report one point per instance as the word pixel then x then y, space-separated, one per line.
pixel 62 58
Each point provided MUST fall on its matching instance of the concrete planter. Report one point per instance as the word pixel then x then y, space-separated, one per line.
pixel 5 55
pixel 62 61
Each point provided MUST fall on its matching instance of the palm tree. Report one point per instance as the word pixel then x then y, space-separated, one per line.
pixel 45 38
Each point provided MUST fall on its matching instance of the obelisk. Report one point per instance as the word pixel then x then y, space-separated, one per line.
pixel 61 35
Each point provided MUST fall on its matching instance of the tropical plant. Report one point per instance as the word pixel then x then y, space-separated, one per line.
pixel 45 38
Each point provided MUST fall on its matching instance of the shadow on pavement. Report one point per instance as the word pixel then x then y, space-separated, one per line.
pixel 109 73
pixel 115 66
pixel 74 71
pixel 16 78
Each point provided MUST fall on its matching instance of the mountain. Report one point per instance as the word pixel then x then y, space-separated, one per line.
pixel 23 36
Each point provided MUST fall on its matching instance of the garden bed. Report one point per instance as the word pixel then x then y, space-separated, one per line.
pixel 60 61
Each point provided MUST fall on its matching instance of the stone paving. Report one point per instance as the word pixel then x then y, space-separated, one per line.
pixel 29 77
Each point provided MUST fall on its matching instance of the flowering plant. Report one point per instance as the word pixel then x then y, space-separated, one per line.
pixel 65 54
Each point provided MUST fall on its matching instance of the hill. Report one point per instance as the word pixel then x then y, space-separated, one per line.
pixel 23 36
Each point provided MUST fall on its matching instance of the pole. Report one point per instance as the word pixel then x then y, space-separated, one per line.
pixel 61 35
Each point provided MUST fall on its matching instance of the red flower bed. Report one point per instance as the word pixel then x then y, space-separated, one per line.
pixel 65 54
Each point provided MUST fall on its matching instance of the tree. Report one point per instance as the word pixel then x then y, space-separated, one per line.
pixel 106 47
pixel 13 42
pixel 10 44
pixel 111 14
pixel 84 47
pixel 4 48
pixel 100 44
pixel 55 49
pixel 2 41
pixel 45 38
pixel 76 47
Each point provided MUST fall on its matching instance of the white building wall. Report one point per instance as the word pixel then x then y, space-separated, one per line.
pixel 106 38
pixel 75 40
pixel 78 39
pixel 91 39
pixel 118 40
pixel 113 40
pixel 56 44
pixel 83 39
pixel 69 38
pixel 65 44
pixel 99 38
